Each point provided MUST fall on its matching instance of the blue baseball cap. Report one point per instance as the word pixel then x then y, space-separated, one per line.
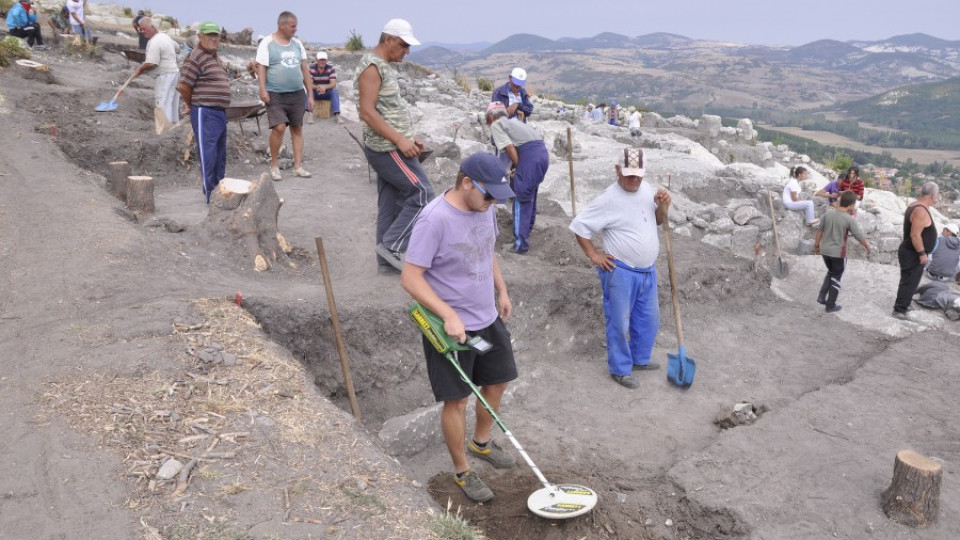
pixel 486 169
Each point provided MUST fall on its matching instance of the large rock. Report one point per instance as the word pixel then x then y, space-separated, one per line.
pixel 746 130
pixel 745 214
pixel 710 125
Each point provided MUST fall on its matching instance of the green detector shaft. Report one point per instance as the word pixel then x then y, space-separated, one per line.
pixel 553 501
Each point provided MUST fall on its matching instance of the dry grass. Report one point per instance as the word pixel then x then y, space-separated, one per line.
pixel 234 421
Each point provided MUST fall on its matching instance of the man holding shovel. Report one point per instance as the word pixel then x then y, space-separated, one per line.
pixel 162 56
pixel 626 215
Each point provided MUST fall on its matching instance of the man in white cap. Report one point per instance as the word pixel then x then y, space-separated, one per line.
pixel 390 146
pixel 514 95
pixel 161 56
pixel 626 214
pixel 945 257
pixel 325 85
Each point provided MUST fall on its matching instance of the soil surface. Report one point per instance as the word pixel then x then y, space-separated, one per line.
pixel 115 338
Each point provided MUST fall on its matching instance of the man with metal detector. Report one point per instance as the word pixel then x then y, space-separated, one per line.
pixel 451 268
pixel 626 214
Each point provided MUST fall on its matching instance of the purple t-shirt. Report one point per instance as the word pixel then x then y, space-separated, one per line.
pixel 832 187
pixel 457 249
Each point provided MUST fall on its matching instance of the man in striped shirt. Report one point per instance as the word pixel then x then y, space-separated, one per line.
pixel 205 89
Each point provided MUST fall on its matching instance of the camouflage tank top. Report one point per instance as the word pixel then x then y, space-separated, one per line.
pixel 390 104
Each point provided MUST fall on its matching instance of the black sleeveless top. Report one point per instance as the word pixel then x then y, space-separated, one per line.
pixel 928 235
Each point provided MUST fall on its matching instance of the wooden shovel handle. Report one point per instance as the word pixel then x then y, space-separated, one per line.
pixel 773 220
pixel 673 281
pixel 124 87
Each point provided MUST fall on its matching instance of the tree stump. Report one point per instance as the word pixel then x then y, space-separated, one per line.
pixel 117 181
pixel 245 214
pixel 139 194
pixel 913 498
pixel 28 69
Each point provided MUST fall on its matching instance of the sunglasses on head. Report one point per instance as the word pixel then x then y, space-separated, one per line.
pixel 486 196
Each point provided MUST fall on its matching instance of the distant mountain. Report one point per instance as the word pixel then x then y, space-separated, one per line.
pixel 921 40
pixel 520 42
pixel 825 52
pixel 458 47
pixel 436 56
pixel 661 40
pixel 605 40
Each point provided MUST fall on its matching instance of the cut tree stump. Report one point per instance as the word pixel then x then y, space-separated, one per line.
pixel 117 181
pixel 139 194
pixel 28 69
pixel 245 214
pixel 913 498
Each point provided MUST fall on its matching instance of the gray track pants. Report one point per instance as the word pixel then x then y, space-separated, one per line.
pixel 403 189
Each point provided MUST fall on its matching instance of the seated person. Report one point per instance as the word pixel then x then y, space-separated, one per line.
pixel 831 191
pixel 22 23
pixel 937 295
pixel 945 258
pixel 325 85
pixel 791 195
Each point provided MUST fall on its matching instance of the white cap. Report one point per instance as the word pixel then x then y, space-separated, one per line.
pixel 401 29
pixel 952 227
pixel 518 76
pixel 322 55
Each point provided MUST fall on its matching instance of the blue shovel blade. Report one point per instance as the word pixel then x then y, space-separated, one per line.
pixel 107 106
pixel 680 368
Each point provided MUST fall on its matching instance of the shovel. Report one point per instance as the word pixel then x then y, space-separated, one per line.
pixel 680 367
pixel 107 106
pixel 162 123
pixel 781 270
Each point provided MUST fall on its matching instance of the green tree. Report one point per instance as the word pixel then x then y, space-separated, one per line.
pixel 355 42
pixel 841 161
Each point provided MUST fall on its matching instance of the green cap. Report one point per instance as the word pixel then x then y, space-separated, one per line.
pixel 209 28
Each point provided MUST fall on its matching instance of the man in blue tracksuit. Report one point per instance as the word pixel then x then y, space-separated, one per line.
pixel 528 160
pixel 514 96
pixel 626 214
pixel 22 23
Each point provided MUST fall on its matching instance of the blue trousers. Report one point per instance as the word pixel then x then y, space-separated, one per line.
pixel 210 130
pixel 632 313
pixel 331 95
pixel 532 164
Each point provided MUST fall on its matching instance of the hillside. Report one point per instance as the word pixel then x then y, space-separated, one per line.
pixel 929 113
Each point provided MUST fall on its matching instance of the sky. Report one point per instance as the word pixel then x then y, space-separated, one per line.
pixel 767 22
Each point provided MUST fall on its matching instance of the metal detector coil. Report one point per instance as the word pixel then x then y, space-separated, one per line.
pixel 552 501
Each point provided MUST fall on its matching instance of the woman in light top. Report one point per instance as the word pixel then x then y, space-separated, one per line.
pixel 791 195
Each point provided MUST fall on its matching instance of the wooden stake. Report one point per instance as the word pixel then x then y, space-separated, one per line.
pixel 117 181
pixel 913 498
pixel 139 194
pixel 573 196
pixel 335 318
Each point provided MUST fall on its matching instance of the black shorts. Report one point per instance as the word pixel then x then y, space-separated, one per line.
pixel 494 367
pixel 286 108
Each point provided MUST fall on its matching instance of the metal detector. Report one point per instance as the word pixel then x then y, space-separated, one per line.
pixel 552 501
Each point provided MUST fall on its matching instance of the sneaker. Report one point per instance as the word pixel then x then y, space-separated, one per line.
pixel 900 315
pixel 275 174
pixel 518 251
pixel 40 47
pixel 626 380
pixel 814 223
pixel 493 453
pixel 647 366
pixel 301 172
pixel 339 120
pixel 822 300
pixel 395 258
pixel 835 308
pixel 473 487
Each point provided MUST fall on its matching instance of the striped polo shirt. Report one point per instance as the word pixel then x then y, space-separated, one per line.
pixel 202 71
